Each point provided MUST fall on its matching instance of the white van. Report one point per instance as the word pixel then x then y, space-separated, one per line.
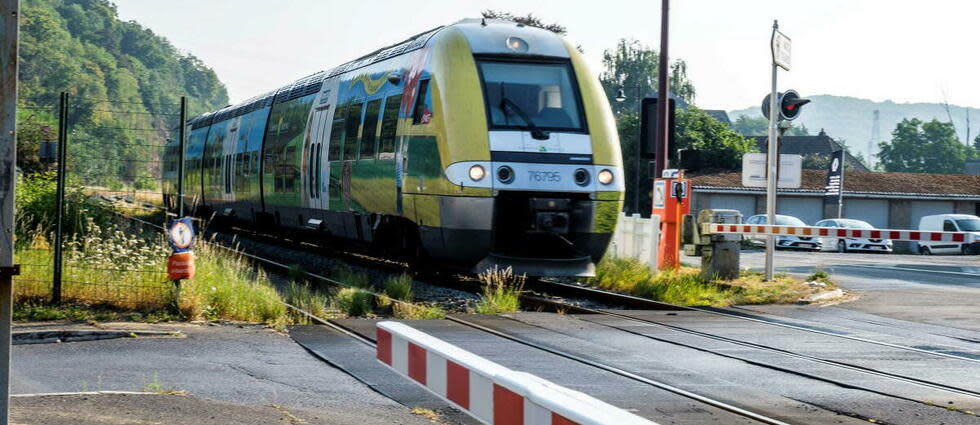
pixel 950 223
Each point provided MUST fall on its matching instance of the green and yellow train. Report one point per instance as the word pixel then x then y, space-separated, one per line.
pixel 480 143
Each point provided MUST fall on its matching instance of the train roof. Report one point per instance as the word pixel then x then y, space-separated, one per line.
pixel 486 36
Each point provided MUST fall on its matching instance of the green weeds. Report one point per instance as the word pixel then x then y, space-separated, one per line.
pixel 501 291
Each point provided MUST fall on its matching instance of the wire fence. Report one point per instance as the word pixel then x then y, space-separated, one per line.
pixel 114 153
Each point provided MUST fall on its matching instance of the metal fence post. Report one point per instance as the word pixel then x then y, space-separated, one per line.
pixel 59 235
pixel 182 140
pixel 9 27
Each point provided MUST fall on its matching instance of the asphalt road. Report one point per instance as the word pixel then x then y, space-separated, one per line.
pixel 937 290
pixel 241 365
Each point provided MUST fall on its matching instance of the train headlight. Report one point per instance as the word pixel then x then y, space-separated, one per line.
pixel 517 45
pixel 605 176
pixel 477 172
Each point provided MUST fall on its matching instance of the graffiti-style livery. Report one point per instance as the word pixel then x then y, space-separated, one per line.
pixel 479 143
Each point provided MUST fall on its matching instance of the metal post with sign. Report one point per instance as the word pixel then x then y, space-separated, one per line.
pixel 833 197
pixel 9 32
pixel 781 48
pixel 180 265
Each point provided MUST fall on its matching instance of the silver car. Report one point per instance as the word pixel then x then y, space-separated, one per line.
pixel 785 242
pixel 831 243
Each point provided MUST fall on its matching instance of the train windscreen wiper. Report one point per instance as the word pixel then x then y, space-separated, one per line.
pixel 536 132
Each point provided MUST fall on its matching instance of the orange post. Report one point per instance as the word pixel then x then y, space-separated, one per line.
pixel 671 201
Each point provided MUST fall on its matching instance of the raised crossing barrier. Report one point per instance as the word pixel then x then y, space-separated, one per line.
pixel 897 235
pixel 489 392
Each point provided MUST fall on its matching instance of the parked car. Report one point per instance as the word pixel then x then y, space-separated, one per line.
pixel 784 242
pixel 831 243
pixel 950 223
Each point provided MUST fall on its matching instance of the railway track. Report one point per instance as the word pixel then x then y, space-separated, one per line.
pixel 550 302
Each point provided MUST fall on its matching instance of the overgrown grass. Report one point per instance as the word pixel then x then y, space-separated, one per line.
pixel 111 271
pixel 687 287
pixel 501 291
pixel 354 302
pixel 302 296
pixel 417 311
pixel 399 287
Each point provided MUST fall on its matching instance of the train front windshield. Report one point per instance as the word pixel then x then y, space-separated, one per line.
pixel 520 95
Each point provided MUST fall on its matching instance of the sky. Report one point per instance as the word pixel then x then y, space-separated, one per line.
pixel 899 50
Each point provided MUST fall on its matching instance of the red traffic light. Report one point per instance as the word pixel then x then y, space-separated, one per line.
pixel 790 105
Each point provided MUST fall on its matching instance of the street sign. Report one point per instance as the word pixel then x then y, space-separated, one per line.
pixel 181 233
pixel 781 49
pixel 754 170
pixel 834 190
pixel 659 193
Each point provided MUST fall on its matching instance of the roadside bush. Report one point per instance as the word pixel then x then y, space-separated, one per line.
pixel 36 206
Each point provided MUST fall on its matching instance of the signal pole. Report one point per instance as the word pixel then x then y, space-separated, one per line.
pixel 772 164
pixel 9 17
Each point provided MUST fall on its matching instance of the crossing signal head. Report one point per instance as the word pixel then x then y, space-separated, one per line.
pixel 790 105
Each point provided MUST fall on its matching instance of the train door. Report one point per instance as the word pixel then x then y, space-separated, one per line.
pixel 228 161
pixel 316 190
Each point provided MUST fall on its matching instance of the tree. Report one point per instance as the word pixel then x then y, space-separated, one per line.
pixel 529 20
pixel 720 148
pixel 760 127
pixel 976 144
pixel 924 147
pixel 633 67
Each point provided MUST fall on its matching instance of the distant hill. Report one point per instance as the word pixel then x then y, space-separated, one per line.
pixel 124 81
pixel 851 118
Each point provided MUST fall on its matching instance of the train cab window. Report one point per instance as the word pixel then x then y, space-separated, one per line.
pixel 542 93
pixel 419 109
pixel 337 133
pixel 350 131
pixel 389 127
pixel 370 131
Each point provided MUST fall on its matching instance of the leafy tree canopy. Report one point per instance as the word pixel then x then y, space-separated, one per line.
pixel 633 67
pixel 720 148
pixel 759 126
pixel 125 82
pixel 924 147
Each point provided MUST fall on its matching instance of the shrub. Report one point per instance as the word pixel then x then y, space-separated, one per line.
pixel 501 291
pixel 399 287
pixel 353 302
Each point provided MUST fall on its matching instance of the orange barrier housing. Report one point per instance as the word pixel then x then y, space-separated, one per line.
pixel 180 266
pixel 671 202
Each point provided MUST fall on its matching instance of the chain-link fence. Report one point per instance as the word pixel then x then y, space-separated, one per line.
pixel 114 166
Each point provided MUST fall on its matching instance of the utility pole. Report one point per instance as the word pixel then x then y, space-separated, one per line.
pixel 663 93
pixel 9 28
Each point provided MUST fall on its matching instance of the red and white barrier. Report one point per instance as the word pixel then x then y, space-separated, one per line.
pixel 897 235
pixel 491 393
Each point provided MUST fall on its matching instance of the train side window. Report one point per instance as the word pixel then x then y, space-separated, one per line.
pixel 370 128
pixel 337 133
pixel 389 127
pixel 350 132
pixel 418 111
